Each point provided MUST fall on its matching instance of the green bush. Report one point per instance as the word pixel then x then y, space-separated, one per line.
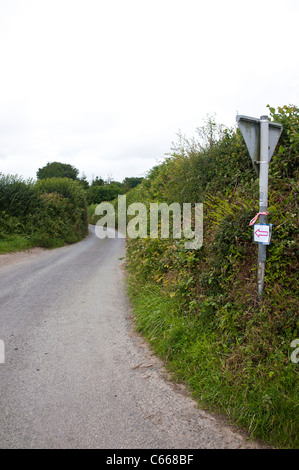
pixel 98 194
pixel 59 212
pixel 48 213
pixel 57 170
pixel 200 308
pixel 15 195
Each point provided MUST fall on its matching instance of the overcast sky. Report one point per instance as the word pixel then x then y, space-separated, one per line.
pixel 106 85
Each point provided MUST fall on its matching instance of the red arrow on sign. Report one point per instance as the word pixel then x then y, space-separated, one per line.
pixel 261 233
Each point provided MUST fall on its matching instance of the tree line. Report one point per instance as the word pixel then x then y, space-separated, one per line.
pixel 54 209
pixel 98 190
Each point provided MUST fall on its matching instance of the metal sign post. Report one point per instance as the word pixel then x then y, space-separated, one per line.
pixel 261 138
pixel 263 201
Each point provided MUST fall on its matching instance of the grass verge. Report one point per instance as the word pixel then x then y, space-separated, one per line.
pixel 259 395
pixel 15 243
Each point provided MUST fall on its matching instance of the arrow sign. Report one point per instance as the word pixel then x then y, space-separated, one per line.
pixel 262 233
pixel 250 129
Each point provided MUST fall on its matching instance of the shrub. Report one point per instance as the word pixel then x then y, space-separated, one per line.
pixel 59 212
pixel 199 308
pixel 50 212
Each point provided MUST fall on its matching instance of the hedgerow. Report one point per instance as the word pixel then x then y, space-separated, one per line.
pixel 47 213
pixel 199 308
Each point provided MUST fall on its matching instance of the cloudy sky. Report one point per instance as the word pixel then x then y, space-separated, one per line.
pixel 106 85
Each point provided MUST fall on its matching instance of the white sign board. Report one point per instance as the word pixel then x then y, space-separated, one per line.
pixel 262 233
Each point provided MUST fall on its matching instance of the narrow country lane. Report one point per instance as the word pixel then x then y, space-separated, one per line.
pixel 75 373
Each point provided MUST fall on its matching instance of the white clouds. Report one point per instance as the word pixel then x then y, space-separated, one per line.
pixel 97 82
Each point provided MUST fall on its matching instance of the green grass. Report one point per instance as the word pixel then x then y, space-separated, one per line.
pixel 259 395
pixel 15 243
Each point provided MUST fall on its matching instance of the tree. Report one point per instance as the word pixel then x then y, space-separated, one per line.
pixel 98 181
pixel 98 194
pixel 57 170
pixel 132 182
pixel 83 181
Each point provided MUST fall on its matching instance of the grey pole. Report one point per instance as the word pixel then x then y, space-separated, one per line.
pixel 263 199
pixel 261 138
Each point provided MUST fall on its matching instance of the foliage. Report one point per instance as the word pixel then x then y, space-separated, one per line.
pixel 15 195
pixel 130 183
pixel 53 210
pixel 61 211
pixel 57 170
pixel 101 190
pixel 285 161
pixel 245 378
pixel 199 308
pixel 99 193
pixel 97 181
pixel 47 213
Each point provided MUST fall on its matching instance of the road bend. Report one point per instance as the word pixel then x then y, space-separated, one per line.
pixel 75 375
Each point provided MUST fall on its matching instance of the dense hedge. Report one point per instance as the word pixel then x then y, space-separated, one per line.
pixel 47 213
pixel 237 347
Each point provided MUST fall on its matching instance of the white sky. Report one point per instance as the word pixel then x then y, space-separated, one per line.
pixel 105 85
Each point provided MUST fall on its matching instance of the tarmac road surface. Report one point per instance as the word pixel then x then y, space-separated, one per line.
pixel 75 375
